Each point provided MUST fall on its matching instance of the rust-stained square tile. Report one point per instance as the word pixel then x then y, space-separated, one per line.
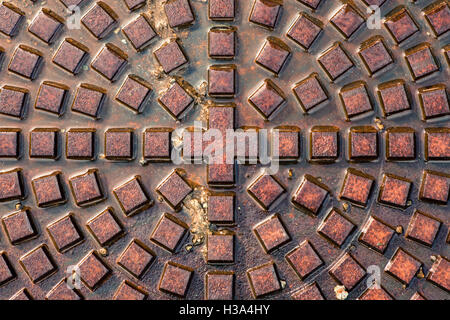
pixel 170 56
pixel 434 101
pixel 374 2
pixel 86 188
pixel 48 190
pixel 11 185
pixel 375 55
pixel 157 145
pixel 400 24
pixel 105 227
pixel 357 187
pixel 222 81
pixel 13 101
pixel 140 32
pixel 11 19
pixel 26 62
pixel 176 101
pixel 127 290
pixel 44 143
pixel 265 13
pixel 222 42
pixel 446 52
pixel 393 97
pixel 355 99
pixel 93 271
pixel 71 55
pixel 310 195
pixel 324 143
pixel 136 258
pixel 376 294
pixel 336 227
pixel 266 190
pixel 305 30
pixel 134 93
pixel 394 191
pixel 133 5
pixel 335 61
pixel 309 292
pixel 119 144
pixel 376 234
pixel 89 100
pixel 267 99
pixel 438 273
pixel 21 295
pixel 272 233
pixel 222 10
pixel 80 144
pixel 61 291
pixel 423 228
pixel 363 143
pixel 417 296
pixel 65 233
pixel 435 187
pixel 438 16
pixel 221 208
pixel 169 232
pixel 403 266
pixel 175 279
pixel 38 264
pixel 219 285
pixel 179 13
pixel 52 97
pixel 221 116
pixel 273 55
pixel 132 197
pixel 347 20
pixel 347 271
pixel 46 25
pixel 220 248
pixel 110 61
pixel 304 259
pixel 174 189
pixel 437 144
pixel 7 272
pixel 100 20
pixel 68 3
pixel 263 280
pixel 310 92
pixel 421 61
pixel 400 144
pixel 221 175
pixel 286 143
pixel 19 226
pixel 10 143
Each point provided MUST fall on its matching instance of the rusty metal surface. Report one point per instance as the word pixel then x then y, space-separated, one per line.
pixel 86 130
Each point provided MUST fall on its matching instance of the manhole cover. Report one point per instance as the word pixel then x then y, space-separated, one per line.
pixel 93 99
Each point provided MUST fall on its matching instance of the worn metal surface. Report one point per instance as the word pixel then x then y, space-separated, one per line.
pixel 128 224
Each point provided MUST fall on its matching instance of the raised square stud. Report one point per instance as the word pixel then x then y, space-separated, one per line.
pixel 221 208
pixel 400 24
pixel 61 291
pixel 347 20
pixel 421 61
pixel 119 144
pixel 132 197
pixel 136 258
pixel 347 271
pixel 304 259
pixel 169 232
pixel 263 280
pixel 93 271
pixel 437 15
pixel 46 25
pixel 310 195
pixel 309 292
pixel 273 55
pixel 324 143
pixel 71 56
pixel 179 13
pixel 52 97
pixel 221 175
pixel 423 228
pixel 434 102
pixel 219 285
pixel 286 143
pixel 38 264
pixel 133 5
pixel 48 190
pixel 375 55
pixel 174 189
pixel 393 97
pixel 134 93
pixel 105 227
pixel 266 190
pixel 376 234
pixel 222 10
pixel 222 81
pixel 363 143
pixel 86 188
pixel 438 273
pixel 435 187
pixel 89 100
pixel 310 92
pixel 272 233
pixel 357 187
pixel 335 61
pixel 100 20
pixel 68 3
pixel 13 101
pixel 176 101
pixel 157 145
pixel 336 227
pixel 19 226
pixel 437 144
pixel 140 32
pixel 170 56
pixel 10 143
pixel 403 266
pixel 80 144
pixel 267 99
pixel 44 143
pixel 378 294
pixel 220 248
pixel 65 233
pixel 355 99
pixel 11 185
pixel 265 13
pixel 175 279
pixel 130 291
pixel 312 4
pixel 7 272
pixel 26 62
pixel 394 191
pixel 305 30
pixel 11 20
pixel 400 144
pixel 110 61
pixel 222 42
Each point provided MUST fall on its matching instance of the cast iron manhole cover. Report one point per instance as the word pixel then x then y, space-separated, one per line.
pixel 91 95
